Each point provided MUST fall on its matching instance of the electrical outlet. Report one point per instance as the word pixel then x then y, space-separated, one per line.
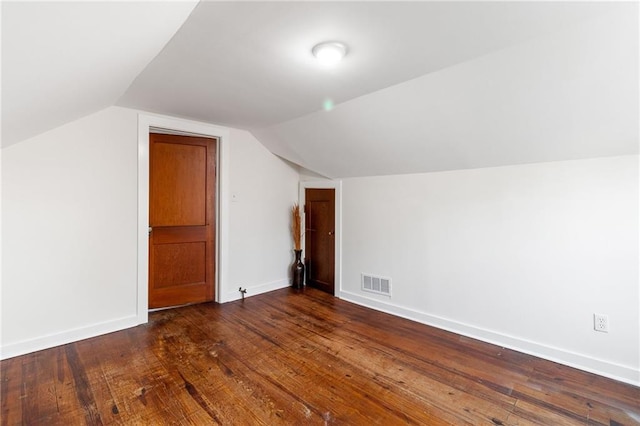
pixel 601 323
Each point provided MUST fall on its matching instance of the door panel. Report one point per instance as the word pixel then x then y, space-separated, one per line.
pixel 182 219
pixel 190 255
pixel 177 184
pixel 320 238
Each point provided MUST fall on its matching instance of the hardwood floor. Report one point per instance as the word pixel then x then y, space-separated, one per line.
pixel 300 357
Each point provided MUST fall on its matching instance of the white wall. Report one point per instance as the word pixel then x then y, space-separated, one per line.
pixel 69 241
pixel 263 189
pixel 309 175
pixel 522 256
pixel 69 216
pixel 1 222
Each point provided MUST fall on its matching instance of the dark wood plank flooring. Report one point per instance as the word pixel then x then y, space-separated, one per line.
pixel 300 358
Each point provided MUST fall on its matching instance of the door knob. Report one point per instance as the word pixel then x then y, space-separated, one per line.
pixel 330 232
pixel 150 229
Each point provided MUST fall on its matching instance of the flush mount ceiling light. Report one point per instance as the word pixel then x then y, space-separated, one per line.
pixel 330 52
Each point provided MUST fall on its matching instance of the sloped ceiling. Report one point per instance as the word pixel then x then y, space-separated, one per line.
pixel 426 85
pixel 571 94
pixel 64 60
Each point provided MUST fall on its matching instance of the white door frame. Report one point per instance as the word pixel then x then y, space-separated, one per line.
pixel 337 185
pixel 147 122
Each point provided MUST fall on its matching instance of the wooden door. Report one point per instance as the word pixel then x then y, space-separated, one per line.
pixel 182 173
pixel 320 238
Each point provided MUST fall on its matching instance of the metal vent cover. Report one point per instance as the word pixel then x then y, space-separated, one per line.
pixel 376 284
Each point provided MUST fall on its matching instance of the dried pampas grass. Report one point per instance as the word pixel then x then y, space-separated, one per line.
pixel 296 226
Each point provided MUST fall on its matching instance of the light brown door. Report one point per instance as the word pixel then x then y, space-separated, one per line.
pixel 320 238
pixel 182 173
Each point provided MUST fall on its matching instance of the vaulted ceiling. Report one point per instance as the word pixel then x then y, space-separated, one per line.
pixel 425 86
pixel 65 60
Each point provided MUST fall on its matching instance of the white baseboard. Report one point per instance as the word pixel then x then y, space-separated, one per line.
pixel 254 290
pixel 608 369
pixel 49 341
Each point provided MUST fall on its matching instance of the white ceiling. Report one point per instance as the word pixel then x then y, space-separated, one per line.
pixel 64 60
pixel 571 94
pixel 426 85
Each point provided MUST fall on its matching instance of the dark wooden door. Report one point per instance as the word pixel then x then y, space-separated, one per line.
pixel 182 173
pixel 320 238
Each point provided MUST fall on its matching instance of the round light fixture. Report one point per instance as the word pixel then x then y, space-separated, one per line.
pixel 330 52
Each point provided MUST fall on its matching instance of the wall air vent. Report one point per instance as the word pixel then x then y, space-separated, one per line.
pixel 376 284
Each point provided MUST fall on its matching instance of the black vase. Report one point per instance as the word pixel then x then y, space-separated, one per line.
pixel 297 271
